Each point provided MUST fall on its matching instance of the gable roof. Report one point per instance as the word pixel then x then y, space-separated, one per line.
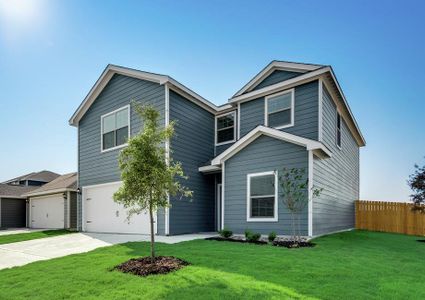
pixel 111 70
pixel 273 66
pixel 274 133
pixel 327 75
pixel 67 182
pixel 43 176
pixel 15 191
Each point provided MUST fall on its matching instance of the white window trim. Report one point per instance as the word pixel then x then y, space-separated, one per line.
pixel 266 115
pixel 248 197
pixel 234 128
pixel 336 130
pixel 101 129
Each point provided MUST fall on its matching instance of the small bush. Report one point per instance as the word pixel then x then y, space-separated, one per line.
pixel 248 234
pixel 226 233
pixel 272 236
pixel 254 237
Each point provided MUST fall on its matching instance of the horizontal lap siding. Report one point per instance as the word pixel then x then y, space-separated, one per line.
pixel 338 176
pixel 306 112
pixel 95 167
pixel 192 145
pixel 275 77
pixel 262 155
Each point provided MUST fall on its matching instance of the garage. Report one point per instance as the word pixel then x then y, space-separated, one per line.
pixel 102 214
pixel 47 212
pixel 13 212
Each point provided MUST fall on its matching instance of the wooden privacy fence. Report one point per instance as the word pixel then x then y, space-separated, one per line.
pixel 389 217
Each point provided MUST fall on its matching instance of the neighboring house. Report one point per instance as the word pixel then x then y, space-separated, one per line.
pixel 33 179
pixel 13 205
pixel 289 115
pixel 54 205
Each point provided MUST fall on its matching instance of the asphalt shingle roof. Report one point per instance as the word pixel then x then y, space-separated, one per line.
pixel 44 176
pixel 7 190
pixel 67 181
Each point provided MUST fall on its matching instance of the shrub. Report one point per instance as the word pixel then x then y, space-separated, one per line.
pixel 254 237
pixel 248 234
pixel 272 236
pixel 226 233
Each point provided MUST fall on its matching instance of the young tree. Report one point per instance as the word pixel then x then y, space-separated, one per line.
pixel 417 184
pixel 295 196
pixel 148 178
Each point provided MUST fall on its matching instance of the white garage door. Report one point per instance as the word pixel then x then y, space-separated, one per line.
pixel 102 214
pixel 48 212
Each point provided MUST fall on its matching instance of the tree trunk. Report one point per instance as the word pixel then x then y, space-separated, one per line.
pixel 293 227
pixel 152 233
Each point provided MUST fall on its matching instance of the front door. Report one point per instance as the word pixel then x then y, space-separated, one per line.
pixel 218 206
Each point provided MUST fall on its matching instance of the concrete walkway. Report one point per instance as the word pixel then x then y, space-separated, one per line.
pixel 18 230
pixel 22 253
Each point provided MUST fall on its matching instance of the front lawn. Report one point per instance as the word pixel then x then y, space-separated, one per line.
pixel 350 265
pixel 20 237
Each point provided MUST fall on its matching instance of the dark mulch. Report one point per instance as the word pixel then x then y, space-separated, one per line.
pixel 236 240
pixel 144 266
pixel 293 244
pixel 422 241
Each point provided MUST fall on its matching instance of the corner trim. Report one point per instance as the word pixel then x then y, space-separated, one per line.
pixel 167 157
pixel 310 192
pixel 320 111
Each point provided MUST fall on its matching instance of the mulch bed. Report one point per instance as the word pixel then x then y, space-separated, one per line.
pixel 293 244
pixel 144 266
pixel 236 240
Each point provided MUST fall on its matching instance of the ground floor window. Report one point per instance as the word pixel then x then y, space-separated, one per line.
pixel 262 196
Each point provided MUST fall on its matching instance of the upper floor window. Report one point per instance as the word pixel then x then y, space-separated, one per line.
pixel 338 130
pixel 262 196
pixel 115 128
pixel 225 129
pixel 279 110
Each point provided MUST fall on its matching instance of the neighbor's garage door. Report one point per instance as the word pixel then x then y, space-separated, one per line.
pixel 13 213
pixel 48 212
pixel 102 214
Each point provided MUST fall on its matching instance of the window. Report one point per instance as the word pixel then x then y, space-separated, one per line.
pixel 225 128
pixel 115 128
pixel 279 110
pixel 338 130
pixel 262 197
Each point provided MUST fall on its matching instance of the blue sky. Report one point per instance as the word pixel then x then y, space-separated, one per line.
pixel 52 52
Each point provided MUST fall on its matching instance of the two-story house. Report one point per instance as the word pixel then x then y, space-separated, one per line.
pixel 290 115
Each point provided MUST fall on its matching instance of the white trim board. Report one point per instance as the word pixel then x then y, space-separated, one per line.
pixel 110 70
pixel 233 112
pixel 292 108
pixel 167 158
pixel 276 65
pixel 274 133
pixel 275 218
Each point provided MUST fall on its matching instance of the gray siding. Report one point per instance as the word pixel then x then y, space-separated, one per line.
pixel 262 155
pixel 192 145
pixel 275 77
pixel 338 176
pixel 219 149
pixel 95 167
pixel 306 112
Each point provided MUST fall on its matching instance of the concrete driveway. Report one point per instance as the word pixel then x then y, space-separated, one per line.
pixel 22 253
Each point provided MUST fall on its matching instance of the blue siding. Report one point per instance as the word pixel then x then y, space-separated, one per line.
pixel 275 77
pixel 338 176
pixel 95 167
pixel 262 155
pixel 192 145
pixel 306 112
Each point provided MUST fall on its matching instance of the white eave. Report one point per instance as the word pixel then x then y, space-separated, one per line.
pixel 309 144
pixel 276 65
pixel 304 78
pixel 111 70
pixel 49 192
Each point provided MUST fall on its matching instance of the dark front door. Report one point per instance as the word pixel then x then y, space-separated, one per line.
pixel 13 213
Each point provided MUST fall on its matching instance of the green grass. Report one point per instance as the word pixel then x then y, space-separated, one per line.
pixel 350 265
pixel 19 237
